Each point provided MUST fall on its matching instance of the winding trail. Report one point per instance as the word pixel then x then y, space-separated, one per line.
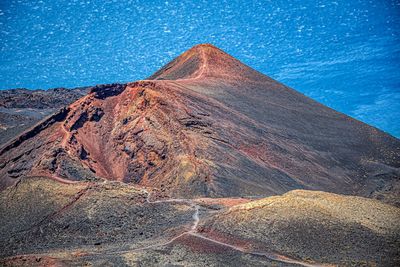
pixel 196 207
pixel 62 180
pixel 202 69
pixel 193 232
pixel 66 137
pixel 271 256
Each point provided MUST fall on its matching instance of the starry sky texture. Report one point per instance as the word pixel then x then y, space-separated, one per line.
pixel 345 54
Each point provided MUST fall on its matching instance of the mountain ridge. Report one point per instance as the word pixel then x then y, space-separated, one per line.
pixel 215 128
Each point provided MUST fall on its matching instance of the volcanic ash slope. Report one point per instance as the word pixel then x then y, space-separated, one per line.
pixel 207 125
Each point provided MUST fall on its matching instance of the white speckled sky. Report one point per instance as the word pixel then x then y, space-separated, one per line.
pixel 345 54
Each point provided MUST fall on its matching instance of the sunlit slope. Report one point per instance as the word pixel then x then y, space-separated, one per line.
pixel 317 226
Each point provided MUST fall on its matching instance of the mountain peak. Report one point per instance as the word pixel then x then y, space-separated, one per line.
pixel 204 60
pixel 205 46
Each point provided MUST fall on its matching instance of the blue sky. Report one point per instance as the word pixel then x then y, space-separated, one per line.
pixel 345 54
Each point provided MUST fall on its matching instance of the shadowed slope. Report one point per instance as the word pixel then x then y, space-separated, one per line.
pixel 40 215
pixel 208 125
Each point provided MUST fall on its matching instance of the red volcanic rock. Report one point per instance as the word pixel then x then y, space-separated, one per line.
pixel 208 125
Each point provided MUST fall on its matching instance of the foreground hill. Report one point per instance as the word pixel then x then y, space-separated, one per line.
pixel 40 215
pixel 48 223
pixel 208 125
pixel 22 108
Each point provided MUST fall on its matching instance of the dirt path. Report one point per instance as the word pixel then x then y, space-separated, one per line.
pixel 62 180
pixel 201 69
pixel 203 66
pixel 67 136
pixel 193 232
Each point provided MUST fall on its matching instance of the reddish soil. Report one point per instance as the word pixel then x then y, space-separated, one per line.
pixel 226 202
pixel 31 260
pixel 199 245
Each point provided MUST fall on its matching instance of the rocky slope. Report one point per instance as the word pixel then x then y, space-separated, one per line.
pixel 208 125
pixel 41 215
pixel 22 108
pixel 40 99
